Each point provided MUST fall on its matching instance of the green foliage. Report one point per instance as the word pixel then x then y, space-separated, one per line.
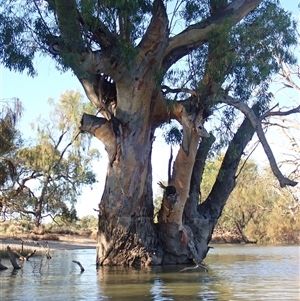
pixel 257 210
pixel 172 133
pixel 52 171
pixel 264 35
pixel 28 27
pixel 88 222
pixel 10 138
pixel 241 60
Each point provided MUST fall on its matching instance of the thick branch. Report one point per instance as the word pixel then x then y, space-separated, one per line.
pixel 181 177
pixel 97 62
pixel 157 31
pixel 167 89
pixel 68 24
pixel 101 34
pixel 103 130
pixel 196 179
pixel 262 138
pixel 12 258
pixel 213 205
pixel 197 34
pixel 88 86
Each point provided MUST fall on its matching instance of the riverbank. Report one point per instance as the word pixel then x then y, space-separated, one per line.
pixel 73 242
pixel 64 242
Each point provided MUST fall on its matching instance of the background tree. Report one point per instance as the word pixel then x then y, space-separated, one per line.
pixel 50 173
pixel 257 210
pixel 126 55
pixel 10 141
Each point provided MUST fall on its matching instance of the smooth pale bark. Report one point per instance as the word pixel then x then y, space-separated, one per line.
pixel 127 234
pixel 202 218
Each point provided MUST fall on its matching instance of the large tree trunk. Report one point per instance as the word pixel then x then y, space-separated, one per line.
pixel 126 234
pixel 126 91
pixel 201 218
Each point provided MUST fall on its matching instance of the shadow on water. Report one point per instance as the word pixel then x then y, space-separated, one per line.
pixel 235 273
pixel 158 283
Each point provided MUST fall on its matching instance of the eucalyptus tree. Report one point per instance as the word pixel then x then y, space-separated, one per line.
pixel 141 69
pixel 10 141
pixel 51 171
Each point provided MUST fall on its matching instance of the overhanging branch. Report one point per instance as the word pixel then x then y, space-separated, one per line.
pixel 280 113
pixel 196 35
pixel 255 122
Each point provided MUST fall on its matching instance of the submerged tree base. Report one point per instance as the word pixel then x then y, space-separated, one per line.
pixel 137 241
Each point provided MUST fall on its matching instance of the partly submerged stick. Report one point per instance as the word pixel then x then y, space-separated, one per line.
pixel 80 265
pixel 198 265
pixel 47 251
pixel 12 258
pixel 2 267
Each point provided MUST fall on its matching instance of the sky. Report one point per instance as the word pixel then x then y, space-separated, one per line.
pixel 50 83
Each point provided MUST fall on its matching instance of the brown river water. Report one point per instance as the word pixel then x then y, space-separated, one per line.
pixel 235 272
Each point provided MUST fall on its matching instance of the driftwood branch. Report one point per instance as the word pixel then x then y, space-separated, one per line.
pixel 47 249
pixel 255 122
pixel 198 265
pixel 12 258
pixel 80 265
pixel 22 257
pixel 2 267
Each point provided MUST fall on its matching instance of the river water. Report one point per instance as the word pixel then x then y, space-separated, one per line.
pixel 235 272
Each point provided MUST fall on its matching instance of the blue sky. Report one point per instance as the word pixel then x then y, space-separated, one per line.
pixel 50 83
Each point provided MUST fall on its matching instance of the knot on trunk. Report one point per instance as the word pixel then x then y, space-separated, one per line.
pixel 170 197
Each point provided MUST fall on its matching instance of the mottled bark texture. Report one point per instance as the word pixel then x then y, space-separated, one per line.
pixel 132 104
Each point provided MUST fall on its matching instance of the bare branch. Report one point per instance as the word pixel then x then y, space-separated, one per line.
pixel 80 265
pixel 12 258
pixel 280 113
pixel 178 90
pixel 261 135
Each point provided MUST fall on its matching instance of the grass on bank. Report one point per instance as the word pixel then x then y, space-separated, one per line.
pixel 86 226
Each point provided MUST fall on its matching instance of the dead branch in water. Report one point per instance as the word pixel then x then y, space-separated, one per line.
pixel 47 251
pixel 80 265
pixel 2 267
pixel 22 257
pixel 12 258
pixel 198 265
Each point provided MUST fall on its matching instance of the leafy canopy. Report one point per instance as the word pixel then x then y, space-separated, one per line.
pixel 10 140
pixel 51 172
